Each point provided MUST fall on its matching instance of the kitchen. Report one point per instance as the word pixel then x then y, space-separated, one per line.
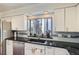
pixel 39 29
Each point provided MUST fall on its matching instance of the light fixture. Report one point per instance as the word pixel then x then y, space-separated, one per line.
pixel 45 12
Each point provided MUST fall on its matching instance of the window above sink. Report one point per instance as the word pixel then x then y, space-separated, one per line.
pixel 40 27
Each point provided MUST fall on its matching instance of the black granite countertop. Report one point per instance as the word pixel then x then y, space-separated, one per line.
pixel 73 48
pixel 27 40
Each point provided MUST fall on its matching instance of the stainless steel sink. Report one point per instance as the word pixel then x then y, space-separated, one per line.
pixel 37 41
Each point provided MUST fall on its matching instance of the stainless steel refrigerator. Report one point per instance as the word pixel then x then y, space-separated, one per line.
pixel 5 31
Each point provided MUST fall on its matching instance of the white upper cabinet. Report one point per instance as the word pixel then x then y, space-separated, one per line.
pixel 77 21
pixel 70 19
pixel 59 20
pixel 19 22
pixel 6 27
pixel 66 19
pixel 7 19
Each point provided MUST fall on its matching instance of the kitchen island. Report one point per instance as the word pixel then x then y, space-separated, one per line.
pixel 24 46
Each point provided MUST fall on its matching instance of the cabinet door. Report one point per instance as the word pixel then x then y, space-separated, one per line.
pixel 28 49
pixel 50 50
pixel 77 21
pixel 59 20
pixel 39 50
pixel 18 48
pixel 60 51
pixel 32 49
pixel 9 47
pixel 56 51
pixel 70 19
pixel 18 22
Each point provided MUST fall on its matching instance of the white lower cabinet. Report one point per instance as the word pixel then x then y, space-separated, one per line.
pixel 33 49
pixel 9 47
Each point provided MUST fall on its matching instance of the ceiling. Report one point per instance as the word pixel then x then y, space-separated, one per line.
pixel 10 6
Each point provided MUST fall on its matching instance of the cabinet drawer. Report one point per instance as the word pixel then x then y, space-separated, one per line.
pixel 28 46
pixel 34 51
pixel 9 42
